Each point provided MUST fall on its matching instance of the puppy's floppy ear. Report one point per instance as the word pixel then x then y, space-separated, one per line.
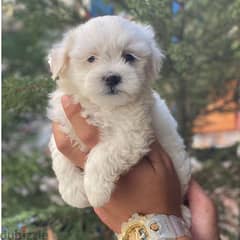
pixel 58 56
pixel 156 57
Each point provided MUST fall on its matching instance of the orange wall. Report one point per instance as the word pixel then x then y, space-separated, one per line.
pixel 217 121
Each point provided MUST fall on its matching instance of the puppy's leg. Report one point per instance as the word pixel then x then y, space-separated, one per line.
pixel 70 178
pixel 105 163
pixel 98 180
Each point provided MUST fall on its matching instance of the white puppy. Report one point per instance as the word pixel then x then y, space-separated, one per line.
pixel 108 65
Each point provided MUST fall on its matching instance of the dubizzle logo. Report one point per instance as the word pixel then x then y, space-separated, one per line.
pixel 38 235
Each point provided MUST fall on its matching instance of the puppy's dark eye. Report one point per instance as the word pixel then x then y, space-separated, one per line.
pixel 91 59
pixel 129 58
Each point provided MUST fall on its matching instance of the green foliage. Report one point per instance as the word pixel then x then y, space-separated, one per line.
pixel 69 223
pixel 29 31
pixel 23 95
pixel 213 160
pixel 25 182
pixel 30 92
pixel 220 177
pixel 206 55
pixel 30 27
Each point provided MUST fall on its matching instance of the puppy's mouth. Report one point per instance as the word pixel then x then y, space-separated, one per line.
pixel 113 91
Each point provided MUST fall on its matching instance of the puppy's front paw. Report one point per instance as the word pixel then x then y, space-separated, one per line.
pixel 97 190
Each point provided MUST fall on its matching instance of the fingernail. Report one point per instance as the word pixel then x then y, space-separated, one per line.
pixel 66 100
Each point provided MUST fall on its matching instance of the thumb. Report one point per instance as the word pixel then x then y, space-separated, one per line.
pixel 204 214
pixel 69 107
pixel 86 132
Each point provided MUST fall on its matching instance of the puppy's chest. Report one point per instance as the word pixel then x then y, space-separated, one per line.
pixel 132 120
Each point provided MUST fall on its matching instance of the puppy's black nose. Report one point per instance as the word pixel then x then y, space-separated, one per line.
pixel 113 80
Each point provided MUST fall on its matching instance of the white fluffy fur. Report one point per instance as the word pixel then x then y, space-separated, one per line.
pixel 128 120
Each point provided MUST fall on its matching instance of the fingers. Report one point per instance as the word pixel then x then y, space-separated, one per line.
pixel 86 132
pixel 65 147
pixel 166 173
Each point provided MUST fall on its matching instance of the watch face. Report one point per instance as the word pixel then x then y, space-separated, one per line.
pixel 136 232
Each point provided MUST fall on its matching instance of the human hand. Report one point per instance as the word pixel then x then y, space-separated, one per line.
pixel 146 185
pixel 204 214
pixel 150 187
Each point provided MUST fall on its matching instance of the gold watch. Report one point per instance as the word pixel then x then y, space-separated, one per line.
pixel 153 227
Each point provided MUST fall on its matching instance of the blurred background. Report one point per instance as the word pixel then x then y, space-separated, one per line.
pixel 200 80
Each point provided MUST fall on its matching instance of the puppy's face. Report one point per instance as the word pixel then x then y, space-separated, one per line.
pixel 108 60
